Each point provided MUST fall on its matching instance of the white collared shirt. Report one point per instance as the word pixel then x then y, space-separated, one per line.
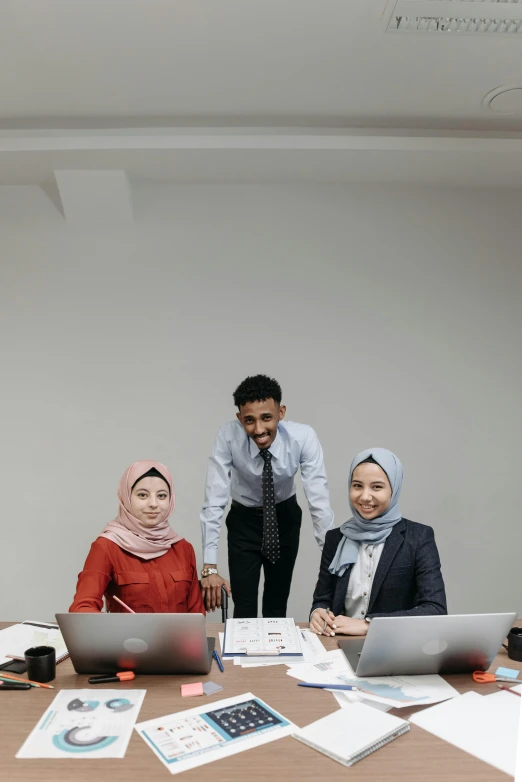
pixel 361 580
pixel 235 469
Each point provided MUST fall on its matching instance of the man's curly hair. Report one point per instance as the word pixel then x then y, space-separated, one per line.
pixel 256 389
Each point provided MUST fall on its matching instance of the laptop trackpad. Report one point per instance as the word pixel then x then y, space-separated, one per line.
pixel 352 648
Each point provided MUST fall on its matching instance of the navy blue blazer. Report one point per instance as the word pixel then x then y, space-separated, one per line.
pixel 407 582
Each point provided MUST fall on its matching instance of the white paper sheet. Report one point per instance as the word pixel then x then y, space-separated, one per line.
pixel 311 646
pixel 395 691
pixel 256 662
pixel 85 724
pixel 221 642
pixel 486 726
pixel 332 663
pixel 198 736
pixel 518 772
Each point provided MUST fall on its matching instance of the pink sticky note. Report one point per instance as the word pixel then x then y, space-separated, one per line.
pixel 192 689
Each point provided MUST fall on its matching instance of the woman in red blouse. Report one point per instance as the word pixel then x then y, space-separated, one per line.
pixel 138 556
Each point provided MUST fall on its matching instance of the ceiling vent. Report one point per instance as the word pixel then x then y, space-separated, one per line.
pixel 458 17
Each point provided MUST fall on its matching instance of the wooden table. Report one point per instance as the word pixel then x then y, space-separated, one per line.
pixel 415 756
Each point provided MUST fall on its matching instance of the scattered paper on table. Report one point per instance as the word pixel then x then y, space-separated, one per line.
pixel 312 647
pixel 332 663
pixel 85 724
pixel 221 642
pixel 257 662
pixel 486 726
pixel 191 738
pixel 395 691
pixel 518 769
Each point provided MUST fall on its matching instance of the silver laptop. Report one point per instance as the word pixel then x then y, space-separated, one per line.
pixel 410 645
pixel 143 643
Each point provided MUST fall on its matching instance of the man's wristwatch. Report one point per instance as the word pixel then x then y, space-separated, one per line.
pixel 209 571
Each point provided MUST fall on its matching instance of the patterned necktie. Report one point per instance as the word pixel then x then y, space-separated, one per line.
pixel 270 545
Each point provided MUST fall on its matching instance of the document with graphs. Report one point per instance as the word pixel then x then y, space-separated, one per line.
pixel 271 637
pixel 395 691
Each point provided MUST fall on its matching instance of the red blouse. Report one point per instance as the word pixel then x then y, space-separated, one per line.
pixel 166 584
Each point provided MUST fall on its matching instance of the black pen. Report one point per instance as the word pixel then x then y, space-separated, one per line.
pixel 326 622
pixel 121 676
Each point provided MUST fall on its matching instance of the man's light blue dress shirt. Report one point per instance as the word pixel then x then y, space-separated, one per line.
pixel 235 468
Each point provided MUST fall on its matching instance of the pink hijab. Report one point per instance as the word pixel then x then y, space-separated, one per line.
pixel 127 531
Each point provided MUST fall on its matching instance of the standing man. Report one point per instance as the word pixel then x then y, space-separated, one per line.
pixel 255 459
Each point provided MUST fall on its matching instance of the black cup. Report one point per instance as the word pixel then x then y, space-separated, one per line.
pixel 514 644
pixel 41 663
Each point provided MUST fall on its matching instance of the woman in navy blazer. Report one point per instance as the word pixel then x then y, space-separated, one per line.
pixel 377 563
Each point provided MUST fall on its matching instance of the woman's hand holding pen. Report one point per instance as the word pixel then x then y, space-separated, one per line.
pixel 322 622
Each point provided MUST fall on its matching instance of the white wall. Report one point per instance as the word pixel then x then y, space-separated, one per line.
pixel 390 317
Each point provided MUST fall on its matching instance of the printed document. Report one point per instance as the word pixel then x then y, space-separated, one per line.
pixel 85 724
pixel 394 691
pixel 191 738
pixel 247 636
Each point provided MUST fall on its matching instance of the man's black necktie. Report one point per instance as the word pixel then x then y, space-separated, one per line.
pixel 270 545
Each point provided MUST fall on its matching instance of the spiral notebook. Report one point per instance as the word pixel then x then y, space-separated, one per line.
pixel 352 733
pixel 16 639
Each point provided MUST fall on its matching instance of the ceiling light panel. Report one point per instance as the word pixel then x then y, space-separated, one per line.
pixel 461 17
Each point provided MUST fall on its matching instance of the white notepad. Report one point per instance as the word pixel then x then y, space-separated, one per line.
pixel 352 733
pixel 486 726
pixel 16 639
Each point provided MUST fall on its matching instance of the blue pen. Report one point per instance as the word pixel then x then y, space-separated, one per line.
pixel 217 658
pixel 328 686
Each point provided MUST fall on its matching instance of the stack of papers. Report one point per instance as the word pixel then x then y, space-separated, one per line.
pixel 312 650
pixel 277 637
pixel 486 726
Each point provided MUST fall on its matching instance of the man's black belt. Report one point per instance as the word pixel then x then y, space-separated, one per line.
pixel 259 511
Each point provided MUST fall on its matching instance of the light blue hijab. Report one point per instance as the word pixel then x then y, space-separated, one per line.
pixel 358 530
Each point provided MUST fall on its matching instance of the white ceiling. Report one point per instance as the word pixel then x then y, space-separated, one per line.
pixel 247 155
pixel 275 62
pixel 318 64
